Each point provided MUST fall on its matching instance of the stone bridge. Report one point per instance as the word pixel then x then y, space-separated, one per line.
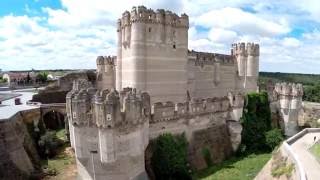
pixel 53 115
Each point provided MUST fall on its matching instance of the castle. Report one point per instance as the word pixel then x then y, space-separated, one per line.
pixel 156 85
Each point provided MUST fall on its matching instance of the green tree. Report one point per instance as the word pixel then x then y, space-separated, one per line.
pixel 169 159
pixel 312 93
pixel 48 144
pixel 256 120
pixel 42 76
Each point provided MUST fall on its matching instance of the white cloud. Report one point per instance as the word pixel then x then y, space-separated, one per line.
pixel 73 36
pixel 241 21
pixel 291 42
pixel 19 26
pixel 27 44
pixel 311 6
pixel 222 35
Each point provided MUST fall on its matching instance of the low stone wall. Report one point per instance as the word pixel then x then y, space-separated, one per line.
pixel 309 114
pixel 56 92
pixel 299 171
pixel 287 147
pixel 50 97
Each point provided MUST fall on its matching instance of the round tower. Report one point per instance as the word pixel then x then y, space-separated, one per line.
pixel 105 72
pixel 239 50
pixel 253 60
pixel 119 57
pixel 133 55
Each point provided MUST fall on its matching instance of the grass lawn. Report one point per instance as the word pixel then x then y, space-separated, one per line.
pixel 315 150
pixel 235 168
pixel 57 164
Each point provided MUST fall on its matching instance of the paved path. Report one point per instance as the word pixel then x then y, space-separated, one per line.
pixel 308 161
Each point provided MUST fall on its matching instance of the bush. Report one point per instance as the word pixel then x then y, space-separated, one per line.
pixel 273 138
pixel 207 156
pixel 256 120
pixel 48 144
pixel 169 159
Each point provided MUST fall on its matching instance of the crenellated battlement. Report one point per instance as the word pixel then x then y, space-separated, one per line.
pixel 245 49
pixel 165 111
pixel 205 58
pixel 253 49
pixel 288 89
pixel 142 14
pixel 106 60
pixel 108 108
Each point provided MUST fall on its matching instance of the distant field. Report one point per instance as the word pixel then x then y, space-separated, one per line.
pixel 305 79
pixel 4 97
pixel 236 168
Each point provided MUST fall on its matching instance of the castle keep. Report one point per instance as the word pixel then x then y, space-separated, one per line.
pixel 156 85
pixel 153 57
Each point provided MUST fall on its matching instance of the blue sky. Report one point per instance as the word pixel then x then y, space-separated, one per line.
pixel 52 34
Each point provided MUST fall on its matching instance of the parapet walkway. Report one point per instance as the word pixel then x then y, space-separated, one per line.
pixel 300 146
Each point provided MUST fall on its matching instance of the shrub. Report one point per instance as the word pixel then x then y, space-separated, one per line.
pixel 48 144
pixel 282 170
pixel 207 156
pixel 169 159
pixel 273 138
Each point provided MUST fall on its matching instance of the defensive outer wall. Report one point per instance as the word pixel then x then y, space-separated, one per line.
pixel 111 130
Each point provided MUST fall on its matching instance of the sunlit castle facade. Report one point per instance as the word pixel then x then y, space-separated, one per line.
pixel 153 56
pixel 156 85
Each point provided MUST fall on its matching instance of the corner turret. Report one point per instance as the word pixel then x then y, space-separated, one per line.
pixel 106 72
pixel 289 96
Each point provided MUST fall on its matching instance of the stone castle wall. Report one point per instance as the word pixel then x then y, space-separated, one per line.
pixel 213 75
pixel 118 126
pixel 210 75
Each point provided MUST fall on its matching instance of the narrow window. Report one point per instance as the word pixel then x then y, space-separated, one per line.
pixel 149 29
pixel 174 46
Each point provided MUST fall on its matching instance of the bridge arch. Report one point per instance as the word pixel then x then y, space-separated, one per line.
pixel 53 120
pixel 54 116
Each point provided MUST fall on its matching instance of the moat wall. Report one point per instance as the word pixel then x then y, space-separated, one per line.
pixel 18 155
